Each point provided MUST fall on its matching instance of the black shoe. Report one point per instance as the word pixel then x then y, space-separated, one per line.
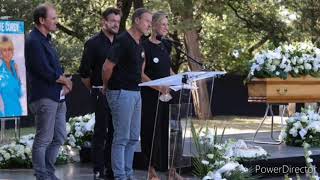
pixel 98 175
pixel 109 175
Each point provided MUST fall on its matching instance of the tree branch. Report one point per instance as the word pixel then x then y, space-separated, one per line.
pixel 259 44
pixel 70 32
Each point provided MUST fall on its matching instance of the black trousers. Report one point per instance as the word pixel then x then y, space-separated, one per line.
pixel 160 144
pixel 103 133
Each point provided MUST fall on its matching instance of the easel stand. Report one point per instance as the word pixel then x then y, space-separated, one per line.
pixel 16 128
pixel 269 109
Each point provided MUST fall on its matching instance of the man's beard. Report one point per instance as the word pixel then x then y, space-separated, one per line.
pixel 111 31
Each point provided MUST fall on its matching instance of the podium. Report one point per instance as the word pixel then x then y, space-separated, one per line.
pixel 180 114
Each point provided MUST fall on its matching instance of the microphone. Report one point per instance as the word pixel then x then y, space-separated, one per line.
pixel 173 42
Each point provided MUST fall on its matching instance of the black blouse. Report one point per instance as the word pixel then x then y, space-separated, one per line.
pixel 158 61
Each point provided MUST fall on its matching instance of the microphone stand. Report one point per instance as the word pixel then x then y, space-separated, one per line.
pixel 177 47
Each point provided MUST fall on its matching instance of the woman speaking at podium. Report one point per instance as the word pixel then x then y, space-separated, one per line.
pixel 157 65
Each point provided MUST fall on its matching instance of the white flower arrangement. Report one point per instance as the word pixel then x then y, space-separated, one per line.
pixel 297 59
pixel 216 160
pixel 225 171
pixel 302 128
pixel 242 151
pixel 18 154
pixel 80 130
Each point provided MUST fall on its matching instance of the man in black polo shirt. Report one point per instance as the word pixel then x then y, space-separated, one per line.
pixel 121 76
pixel 95 52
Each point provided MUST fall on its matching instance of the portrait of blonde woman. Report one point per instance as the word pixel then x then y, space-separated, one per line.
pixel 10 85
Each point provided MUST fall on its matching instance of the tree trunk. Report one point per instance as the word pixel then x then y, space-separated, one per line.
pixel 201 100
pixel 125 6
pixel 137 4
pixel 200 96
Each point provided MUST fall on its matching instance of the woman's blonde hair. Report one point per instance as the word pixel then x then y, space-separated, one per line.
pixel 5 41
pixel 158 16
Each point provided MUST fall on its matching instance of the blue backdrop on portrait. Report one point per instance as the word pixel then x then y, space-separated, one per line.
pixel 13 95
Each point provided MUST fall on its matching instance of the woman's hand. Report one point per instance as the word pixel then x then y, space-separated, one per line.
pixel 164 89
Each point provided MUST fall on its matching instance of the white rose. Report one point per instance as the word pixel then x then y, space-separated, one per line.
pixel 276 62
pixel 310 136
pixel 304 118
pixel 297 125
pixel 78 134
pixel 294 60
pixel 205 162
pixel 309 160
pixel 78 128
pixel 269 61
pixel 315 68
pixel 27 150
pixel 307 66
pixel 68 128
pixel 6 156
pixel 293 132
pixel 300 61
pixel 210 156
pixel 301 67
pixel 72 144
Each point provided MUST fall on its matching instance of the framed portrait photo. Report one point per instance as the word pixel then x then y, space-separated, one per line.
pixel 13 90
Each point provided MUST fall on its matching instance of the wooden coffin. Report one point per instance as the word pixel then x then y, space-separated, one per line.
pixel 276 90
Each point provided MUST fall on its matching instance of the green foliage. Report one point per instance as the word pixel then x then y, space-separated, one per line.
pixel 206 143
pixel 230 30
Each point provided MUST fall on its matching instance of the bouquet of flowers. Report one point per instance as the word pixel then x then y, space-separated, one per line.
pixel 214 160
pixel 297 59
pixel 302 128
pixel 18 154
pixel 245 152
pixel 80 130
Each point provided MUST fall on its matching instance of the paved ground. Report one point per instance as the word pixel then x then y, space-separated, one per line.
pixel 237 128
pixel 77 171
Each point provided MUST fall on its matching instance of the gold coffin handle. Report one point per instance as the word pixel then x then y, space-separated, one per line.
pixel 283 92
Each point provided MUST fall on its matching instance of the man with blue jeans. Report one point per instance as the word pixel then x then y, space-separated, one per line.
pixel 48 86
pixel 121 76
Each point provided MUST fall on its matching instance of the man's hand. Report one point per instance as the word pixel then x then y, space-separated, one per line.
pixel 104 89
pixel 65 81
pixel 69 83
pixel 86 82
pixel 65 90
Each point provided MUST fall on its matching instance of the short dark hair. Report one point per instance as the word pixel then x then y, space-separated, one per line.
pixel 138 13
pixel 41 12
pixel 110 10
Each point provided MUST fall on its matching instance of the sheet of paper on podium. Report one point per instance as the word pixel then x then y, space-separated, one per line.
pixel 175 82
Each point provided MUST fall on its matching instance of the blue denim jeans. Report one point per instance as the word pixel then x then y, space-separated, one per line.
pixel 50 119
pixel 125 109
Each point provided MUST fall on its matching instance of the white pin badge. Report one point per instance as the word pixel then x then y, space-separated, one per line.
pixel 155 60
pixel 142 54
